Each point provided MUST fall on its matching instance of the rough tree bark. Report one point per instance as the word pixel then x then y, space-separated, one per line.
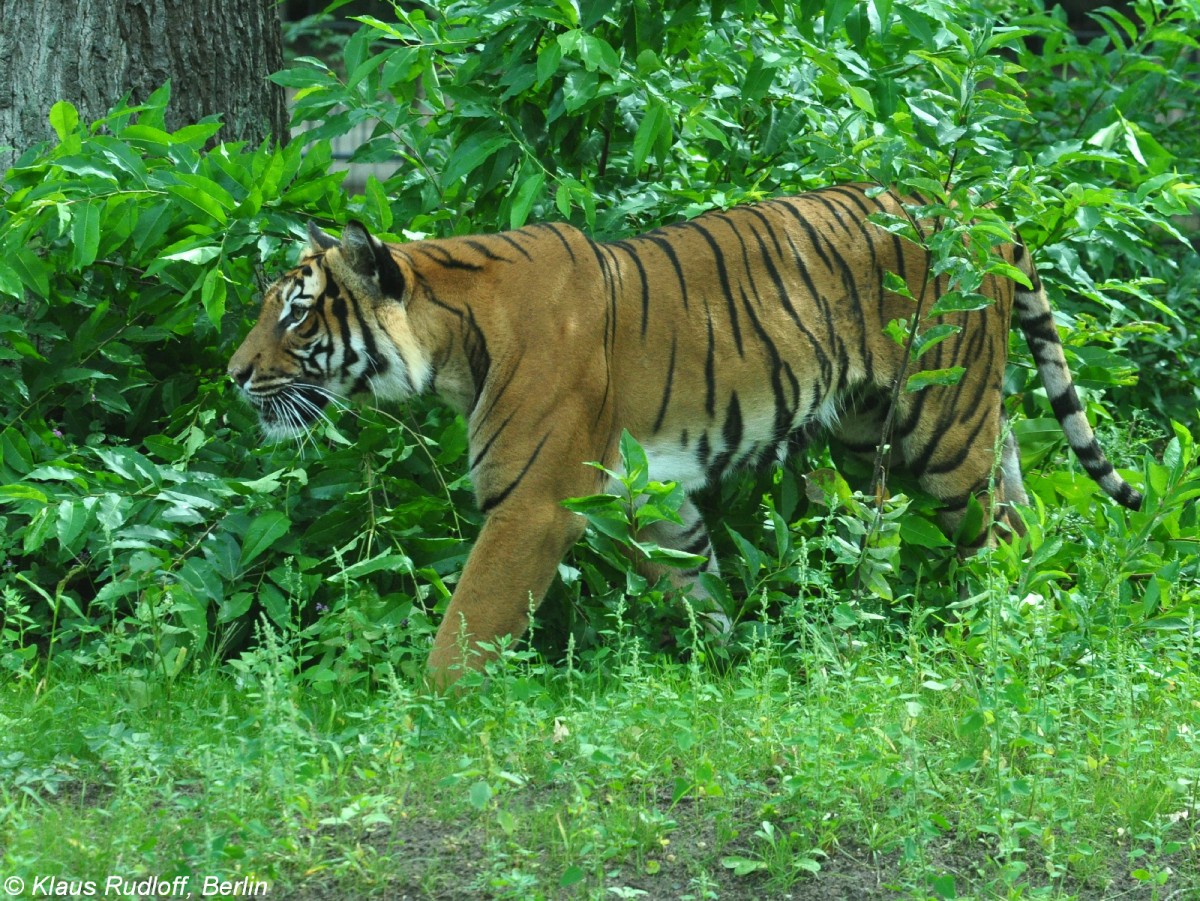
pixel 217 55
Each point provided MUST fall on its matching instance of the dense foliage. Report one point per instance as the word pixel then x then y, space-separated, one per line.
pixel 144 525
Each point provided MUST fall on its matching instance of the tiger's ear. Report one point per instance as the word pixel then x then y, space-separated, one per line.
pixel 319 240
pixel 370 258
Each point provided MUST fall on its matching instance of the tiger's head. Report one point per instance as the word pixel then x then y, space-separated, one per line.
pixel 334 327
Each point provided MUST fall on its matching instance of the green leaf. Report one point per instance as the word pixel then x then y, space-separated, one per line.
pixel 922 533
pixel 571 876
pixel 64 119
pixel 389 560
pixel 72 517
pixel 234 606
pixel 592 503
pixel 578 88
pixel 972 522
pixel 34 272
pixel 204 253
pixel 19 492
pixel 202 580
pixel 264 531
pixel 471 154
pixel 944 885
pixel 275 603
pixel 636 464
pixel 129 464
pixel 748 552
pixel 155 140
pixel 85 234
pixel 959 302
pixel 931 337
pixel 57 474
pixel 592 11
pixel 548 62
pixel 380 204
pixel 212 296
pixel 10 282
pixel 201 201
pixel 15 453
pixel 654 119
pixel 530 191
pixel 479 794
pixel 862 99
pixel 922 380
pixel 669 556
pixel 896 284
pixel 742 866
pixel 596 53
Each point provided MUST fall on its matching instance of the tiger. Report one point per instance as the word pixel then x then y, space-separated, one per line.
pixel 719 343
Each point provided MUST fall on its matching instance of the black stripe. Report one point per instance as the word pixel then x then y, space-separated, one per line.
pixel 341 312
pixel 966 447
pixel 511 242
pixel 498 391
pixel 726 288
pixel 731 434
pixel 637 263
pixel 486 252
pixel 665 246
pixel 439 255
pixel 1128 497
pixel 689 532
pixel 784 410
pixel 554 229
pixel 606 263
pixel 831 332
pixel 666 398
pixel 495 500
pixel 479 359
pixel 487 445
pixel 698 544
pixel 1065 404
pixel 710 366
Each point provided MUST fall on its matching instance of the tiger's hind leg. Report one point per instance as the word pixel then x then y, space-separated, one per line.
pixel 691 536
pixel 955 461
pixel 1010 487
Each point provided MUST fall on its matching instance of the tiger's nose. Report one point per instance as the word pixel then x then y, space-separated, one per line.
pixel 240 374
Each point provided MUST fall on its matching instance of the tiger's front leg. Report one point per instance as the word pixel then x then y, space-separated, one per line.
pixel 506 576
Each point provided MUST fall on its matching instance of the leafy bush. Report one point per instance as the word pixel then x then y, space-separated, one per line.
pixel 143 523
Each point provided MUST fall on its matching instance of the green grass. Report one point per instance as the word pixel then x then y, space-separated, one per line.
pixel 831 763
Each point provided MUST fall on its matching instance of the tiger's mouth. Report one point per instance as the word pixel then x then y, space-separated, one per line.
pixel 290 411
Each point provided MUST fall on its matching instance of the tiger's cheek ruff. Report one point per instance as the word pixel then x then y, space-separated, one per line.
pixel 409 367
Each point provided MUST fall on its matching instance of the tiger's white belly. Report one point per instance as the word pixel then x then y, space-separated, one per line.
pixel 671 459
pixel 668 461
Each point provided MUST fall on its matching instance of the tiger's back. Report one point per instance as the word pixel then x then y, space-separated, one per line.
pixel 715 342
pixel 783 318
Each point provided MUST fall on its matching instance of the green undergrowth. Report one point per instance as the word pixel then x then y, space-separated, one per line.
pixel 833 762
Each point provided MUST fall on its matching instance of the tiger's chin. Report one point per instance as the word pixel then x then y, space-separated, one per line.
pixel 289 415
pixel 275 432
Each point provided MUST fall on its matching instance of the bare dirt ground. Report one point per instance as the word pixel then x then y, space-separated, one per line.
pixel 439 860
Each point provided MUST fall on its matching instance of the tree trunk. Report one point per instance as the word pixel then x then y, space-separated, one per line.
pixel 217 55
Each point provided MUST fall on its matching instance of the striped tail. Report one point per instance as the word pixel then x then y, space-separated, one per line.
pixel 1037 322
